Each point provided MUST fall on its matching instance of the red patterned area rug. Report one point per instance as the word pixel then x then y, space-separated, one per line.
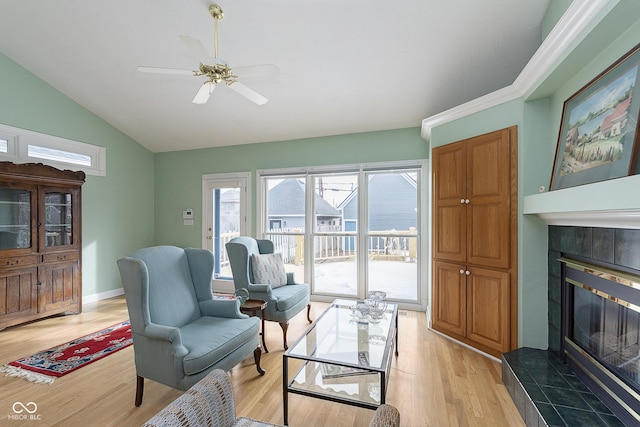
pixel 47 365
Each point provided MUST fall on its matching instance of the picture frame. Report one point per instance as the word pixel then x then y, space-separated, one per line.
pixel 598 137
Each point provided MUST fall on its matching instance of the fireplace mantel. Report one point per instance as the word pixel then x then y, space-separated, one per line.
pixel 624 218
pixel 609 204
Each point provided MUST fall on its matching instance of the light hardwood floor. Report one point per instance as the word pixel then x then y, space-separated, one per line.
pixel 434 381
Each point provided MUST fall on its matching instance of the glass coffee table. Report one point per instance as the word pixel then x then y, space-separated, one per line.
pixel 343 358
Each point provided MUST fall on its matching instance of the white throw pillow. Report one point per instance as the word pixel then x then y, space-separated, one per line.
pixel 268 269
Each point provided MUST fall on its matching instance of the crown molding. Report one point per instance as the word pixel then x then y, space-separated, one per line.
pixel 556 46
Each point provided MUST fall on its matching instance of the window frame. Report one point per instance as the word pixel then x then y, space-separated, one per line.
pixel 361 168
pixel 19 140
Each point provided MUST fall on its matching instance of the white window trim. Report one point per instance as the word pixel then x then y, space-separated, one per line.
pixel 18 141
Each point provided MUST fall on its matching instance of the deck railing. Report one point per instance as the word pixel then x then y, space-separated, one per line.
pixel 390 245
pixel 386 245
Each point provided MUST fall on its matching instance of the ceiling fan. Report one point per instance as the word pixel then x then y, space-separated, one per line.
pixel 215 69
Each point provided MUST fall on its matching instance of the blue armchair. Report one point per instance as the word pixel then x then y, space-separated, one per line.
pixel 283 302
pixel 180 333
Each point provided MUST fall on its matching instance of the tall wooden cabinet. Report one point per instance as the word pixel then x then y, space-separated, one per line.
pixel 475 241
pixel 40 242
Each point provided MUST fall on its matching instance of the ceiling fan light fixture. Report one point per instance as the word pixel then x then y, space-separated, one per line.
pixel 217 73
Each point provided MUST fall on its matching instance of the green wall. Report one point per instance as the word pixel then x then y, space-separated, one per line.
pixel 552 15
pixel 117 210
pixel 178 175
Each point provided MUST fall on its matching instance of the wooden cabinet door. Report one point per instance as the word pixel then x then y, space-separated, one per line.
pixel 488 314
pixel 449 298
pixel 474 231
pixel 60 287
pixel 18 219
pixel 449 208
pixel 488 190
pixel 59 219
pixel 18 295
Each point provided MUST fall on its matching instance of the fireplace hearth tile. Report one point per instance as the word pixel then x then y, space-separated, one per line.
pixel 549 416
pixel 579 418
pixel 548 393
pixel 565 397
pixel 612 420
pixel 549 377
pixel 577 384
pixel 535 393
pixel 595 403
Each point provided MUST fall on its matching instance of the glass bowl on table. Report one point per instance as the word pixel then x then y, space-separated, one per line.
pixel 377 307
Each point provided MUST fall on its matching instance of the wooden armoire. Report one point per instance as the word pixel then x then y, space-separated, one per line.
pixel 40 242
pixel 475 233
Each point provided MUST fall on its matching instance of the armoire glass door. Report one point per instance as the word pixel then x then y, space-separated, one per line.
pixel 15 218
pixel 58 218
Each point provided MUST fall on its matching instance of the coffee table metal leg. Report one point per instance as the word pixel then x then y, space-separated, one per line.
pixel 285 391
pixel 397 334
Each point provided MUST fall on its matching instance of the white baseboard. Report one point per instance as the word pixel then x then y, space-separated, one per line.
pixel 88 299
pixel 467 346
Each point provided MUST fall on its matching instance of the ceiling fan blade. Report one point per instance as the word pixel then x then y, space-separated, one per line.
pixel 197 49
pixel 248 93
pixel 204 93
pixel 159 70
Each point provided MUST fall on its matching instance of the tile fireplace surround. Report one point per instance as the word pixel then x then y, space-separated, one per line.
pixel 544 389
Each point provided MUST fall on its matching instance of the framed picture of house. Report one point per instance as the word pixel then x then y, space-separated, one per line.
pixel 599 128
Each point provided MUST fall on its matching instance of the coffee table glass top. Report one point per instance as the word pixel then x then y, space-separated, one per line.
pixel 338 337
pixel 345 359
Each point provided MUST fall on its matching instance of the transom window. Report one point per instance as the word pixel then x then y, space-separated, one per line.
pixel 24 146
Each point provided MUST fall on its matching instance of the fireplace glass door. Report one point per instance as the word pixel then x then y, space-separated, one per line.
pixel 601 328
pixel 608 331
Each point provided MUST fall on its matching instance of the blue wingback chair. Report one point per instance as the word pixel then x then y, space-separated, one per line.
pixel 283 302
pixel 180 333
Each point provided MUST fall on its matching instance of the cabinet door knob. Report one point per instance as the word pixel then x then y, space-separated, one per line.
pixel 467 201
pixel 462 201
pixel 461 271
pixel 467 272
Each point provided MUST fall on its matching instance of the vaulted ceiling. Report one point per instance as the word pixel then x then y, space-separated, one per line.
pixel 342 66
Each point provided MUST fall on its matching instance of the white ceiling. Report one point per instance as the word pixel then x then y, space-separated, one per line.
pixel 344 66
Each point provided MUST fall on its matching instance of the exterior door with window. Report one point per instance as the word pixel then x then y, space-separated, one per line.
pixel 225 200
